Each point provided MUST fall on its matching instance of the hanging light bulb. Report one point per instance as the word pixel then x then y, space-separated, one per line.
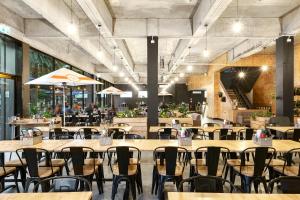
pixel 176 79
pixel 237 25
pixel 115 66
pixel 121 74
pixel 242 75
pixel 205 51
pixel 181 74
pixel 72 27
pixel 99 53
pixel 190 68
pixel 264 68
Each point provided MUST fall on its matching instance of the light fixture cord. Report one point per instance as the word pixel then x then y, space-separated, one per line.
pixel 71 11
pixel 114 55
pixel 99 39
pixel 206 37
pixel 237 9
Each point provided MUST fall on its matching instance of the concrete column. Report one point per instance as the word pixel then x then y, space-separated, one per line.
pixel 285 77
pixel 25 78
pixel 152 81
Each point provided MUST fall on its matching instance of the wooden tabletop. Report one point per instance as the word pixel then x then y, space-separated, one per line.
pixel 150 145
pixel 229 196
pixel 47 196
pixel 13 145
pixel 281 128
pixel 46 129
pixel 154 129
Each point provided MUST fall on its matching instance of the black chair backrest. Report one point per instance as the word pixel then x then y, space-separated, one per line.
pixel 288 159
pixel 57 132
pixel 78 155
pixel 212 158
pixel 224 134
pixel 33 156
pixel 87 133
pixel 118 133
pixel 288 184
pixel 169 155
pixel 209 184
pixel 167 133
pixel 65 184
pixel 262 158
pixel 249 133
pixel 123 153
pixel 296 134
pixel 133 136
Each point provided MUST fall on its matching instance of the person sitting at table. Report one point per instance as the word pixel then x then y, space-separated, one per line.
pixel 58 110
pixel 89 109
pixel 68 110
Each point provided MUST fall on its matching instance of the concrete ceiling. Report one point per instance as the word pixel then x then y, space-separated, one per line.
pixel 125 24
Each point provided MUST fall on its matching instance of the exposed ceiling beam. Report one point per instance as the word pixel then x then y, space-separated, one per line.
pixel 98 13
pixel 57 13
pixel 290 23
pixel 207 13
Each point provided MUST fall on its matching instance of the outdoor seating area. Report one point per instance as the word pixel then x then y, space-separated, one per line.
pixel 149 99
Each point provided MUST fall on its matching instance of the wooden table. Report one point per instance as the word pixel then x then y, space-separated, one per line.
pixel 281 128
pixel 47 196
pixel 229 196
pixel 75 129
pixel 13 145
pixel 150 145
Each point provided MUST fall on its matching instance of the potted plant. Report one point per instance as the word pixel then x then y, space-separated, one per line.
pixel 183 108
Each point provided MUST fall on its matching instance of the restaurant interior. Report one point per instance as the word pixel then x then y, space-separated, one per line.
pixel 149 99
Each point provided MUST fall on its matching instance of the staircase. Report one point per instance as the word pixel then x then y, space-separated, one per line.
pixel 234 96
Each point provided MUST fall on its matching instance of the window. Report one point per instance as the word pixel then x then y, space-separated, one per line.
pixel 143 94
pixel 126 94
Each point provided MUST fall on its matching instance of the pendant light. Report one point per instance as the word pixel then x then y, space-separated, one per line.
pixel 206 52
pixel 264 67
pixel 189 67
pixel 99 53
pixel 237 25
pixel 72 27
pixel 115 66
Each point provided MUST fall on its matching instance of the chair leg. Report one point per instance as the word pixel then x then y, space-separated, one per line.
pixel 153 179
pixel 16 181
pixel 247 184
pixel 264 181
pixel 139 180
pixel 27 184
pixel 114 187
pixel 161 187
pixel 22 171
pixel 99 183
pixel 132 187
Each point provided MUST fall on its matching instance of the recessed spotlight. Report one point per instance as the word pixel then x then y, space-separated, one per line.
pixel 264 68
pixel 190 68
pixel 242 75
pixel 237 26
pixel 181 74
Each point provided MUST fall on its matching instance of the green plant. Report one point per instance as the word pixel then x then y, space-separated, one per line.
pixel 172 106
pixel 267 113
pixel 33 110
pixel 127 113
pixel 47 114
pixel 183 108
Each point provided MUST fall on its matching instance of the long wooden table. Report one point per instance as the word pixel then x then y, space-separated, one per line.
pixel 281 128
pixel 150 144
pixel 230 196
pixel 154 129
pixel 145 144
pixel 75 129
pixel 47 196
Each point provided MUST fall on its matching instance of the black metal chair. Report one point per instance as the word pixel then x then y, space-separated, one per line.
pixel 124 162
pixel 224 132
pixel 116 133
pixel 167 133
pixel 168 167
pixel 288 184
pixel 87 133
pixel 85 167
pixel 133 136
pixel 6 172
pixel 293 134
pixel 65 184
pixel 120 124
pixel 246 134
pixel 210 165
pixel 39 165
pixel 254 172
pixel 54 133
pixel 208 184
pixel 290 166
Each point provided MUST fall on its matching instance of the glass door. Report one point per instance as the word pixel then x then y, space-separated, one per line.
pixel 7 106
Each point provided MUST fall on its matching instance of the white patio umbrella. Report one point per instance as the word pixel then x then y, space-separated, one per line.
pixel 112 91
pixel 163 94
pixel 63 77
